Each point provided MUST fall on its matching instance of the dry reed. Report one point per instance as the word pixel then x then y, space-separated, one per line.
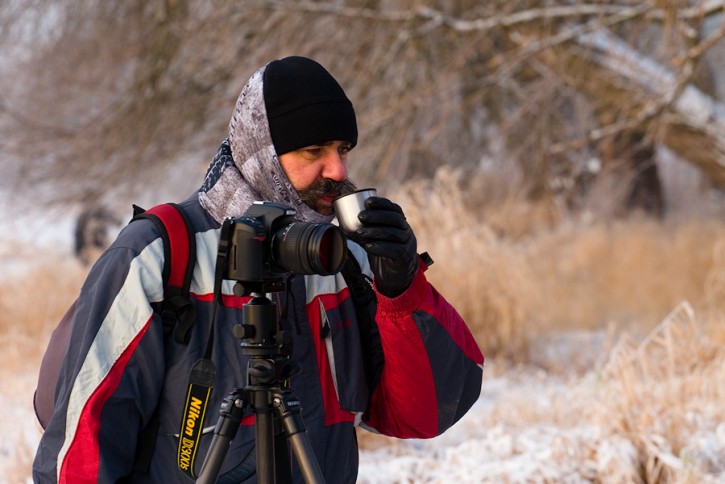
pixel 32 305
pixel 664 392
pixel 517 285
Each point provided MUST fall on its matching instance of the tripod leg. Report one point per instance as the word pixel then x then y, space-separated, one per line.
pixel 264 423
pixel 230 416
pixel 288 408
pixel 282 456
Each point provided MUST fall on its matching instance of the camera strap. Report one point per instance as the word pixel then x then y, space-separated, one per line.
pixel 201 383
pixel 203 375
pixel 365 301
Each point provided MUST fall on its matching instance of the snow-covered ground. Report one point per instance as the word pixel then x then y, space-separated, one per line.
pixel 20 431
pixel 474 450
pixel 492 445
pixel 513 434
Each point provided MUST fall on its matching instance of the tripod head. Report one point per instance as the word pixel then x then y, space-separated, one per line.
pixel 267 345
pixel 259 326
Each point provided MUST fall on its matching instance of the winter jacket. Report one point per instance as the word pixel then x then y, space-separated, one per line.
pixel 121 368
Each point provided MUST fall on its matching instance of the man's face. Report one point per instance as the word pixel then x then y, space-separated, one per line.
pixel 319 173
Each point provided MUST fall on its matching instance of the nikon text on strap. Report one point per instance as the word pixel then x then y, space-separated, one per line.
pixel 201 383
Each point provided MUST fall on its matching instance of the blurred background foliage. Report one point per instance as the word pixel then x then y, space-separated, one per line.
pixel 578 106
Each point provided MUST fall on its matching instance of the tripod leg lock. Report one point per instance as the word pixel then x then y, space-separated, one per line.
pixel 289 409
pixel 231 413
pixel 230 416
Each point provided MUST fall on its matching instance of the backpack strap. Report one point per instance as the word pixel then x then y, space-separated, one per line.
pixel 365 302
pixel 176 309
pixel 179 252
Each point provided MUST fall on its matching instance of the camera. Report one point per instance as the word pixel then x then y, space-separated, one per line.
pixel 267 244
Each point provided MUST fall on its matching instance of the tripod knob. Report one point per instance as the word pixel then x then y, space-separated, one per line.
pixel 243 331
pixel 261 372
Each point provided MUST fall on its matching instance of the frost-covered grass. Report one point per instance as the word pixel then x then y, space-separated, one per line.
pixel 652 412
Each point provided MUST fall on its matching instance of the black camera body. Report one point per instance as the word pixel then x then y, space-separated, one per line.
pixel 267 244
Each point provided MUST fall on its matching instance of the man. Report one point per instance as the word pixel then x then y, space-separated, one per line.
pixel 289 138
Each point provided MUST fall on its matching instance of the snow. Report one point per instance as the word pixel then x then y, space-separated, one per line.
pixel 510 435
pixel 21 434
pixel 473 450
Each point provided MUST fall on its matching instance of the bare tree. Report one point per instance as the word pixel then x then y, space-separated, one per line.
pixel 131 90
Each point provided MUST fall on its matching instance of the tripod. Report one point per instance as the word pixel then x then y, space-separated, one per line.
pixel 266 392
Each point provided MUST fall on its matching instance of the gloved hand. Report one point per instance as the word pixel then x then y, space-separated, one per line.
pixel 390 244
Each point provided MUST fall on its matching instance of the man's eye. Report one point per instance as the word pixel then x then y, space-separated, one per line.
pixel 313 151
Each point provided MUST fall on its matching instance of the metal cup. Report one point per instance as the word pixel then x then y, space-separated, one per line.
pixel 347 208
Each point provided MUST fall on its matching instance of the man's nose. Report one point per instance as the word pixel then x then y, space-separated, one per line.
pixel 335 168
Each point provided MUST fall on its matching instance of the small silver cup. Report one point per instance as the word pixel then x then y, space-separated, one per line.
pixel 347 208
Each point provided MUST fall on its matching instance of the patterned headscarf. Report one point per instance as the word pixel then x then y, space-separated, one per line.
pixel 246 167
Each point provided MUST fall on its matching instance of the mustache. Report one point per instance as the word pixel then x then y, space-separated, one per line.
pixel 326 186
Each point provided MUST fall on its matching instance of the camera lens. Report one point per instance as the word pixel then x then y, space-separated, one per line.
pixel 307 248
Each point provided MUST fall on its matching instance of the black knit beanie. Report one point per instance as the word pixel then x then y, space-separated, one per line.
pixel 305 105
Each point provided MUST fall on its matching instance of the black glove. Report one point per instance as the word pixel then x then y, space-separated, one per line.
pixel 390 244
